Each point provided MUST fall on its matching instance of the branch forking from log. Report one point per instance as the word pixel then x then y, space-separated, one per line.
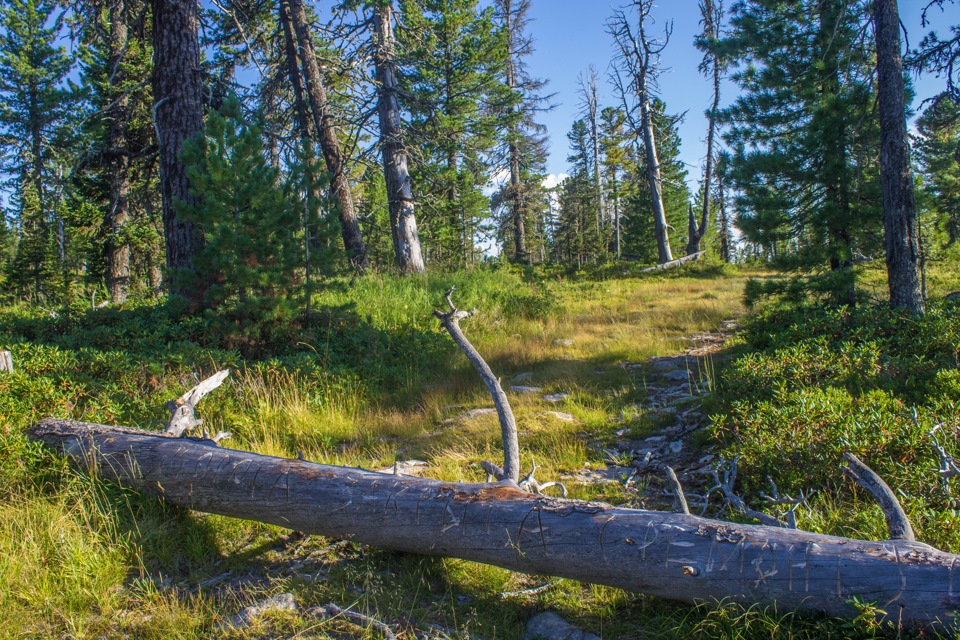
pixel 183 417
pixel 508 424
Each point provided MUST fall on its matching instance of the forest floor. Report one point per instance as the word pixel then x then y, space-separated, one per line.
pixel 610 377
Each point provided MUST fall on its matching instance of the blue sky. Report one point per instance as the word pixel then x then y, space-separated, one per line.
pixel 571 35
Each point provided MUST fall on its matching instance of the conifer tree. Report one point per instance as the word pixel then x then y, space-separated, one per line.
pixel 35 101
pixel 937 144
pixel 253 254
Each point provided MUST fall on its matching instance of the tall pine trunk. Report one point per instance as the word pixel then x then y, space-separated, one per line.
pixel 118 249
pixel 403 221
pixel 660 228
pixel 516 200
pixel 178 116
pixel 327 137
pixel 901 231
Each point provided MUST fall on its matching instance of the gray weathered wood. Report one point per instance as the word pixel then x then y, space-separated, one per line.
pixel 668 555
pixel 508 424
pixel 898 524
pixel 6 361
pixel 674 263
pixel 182 410
pixel 403 221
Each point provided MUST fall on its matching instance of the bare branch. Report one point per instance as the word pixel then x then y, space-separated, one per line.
pixel 897 522
pixel 508 424
pixel 183 418
pixel 679 499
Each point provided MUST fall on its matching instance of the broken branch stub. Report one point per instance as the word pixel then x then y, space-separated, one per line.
pixel 508 424
pixel 6 361
pixel 183 417
pixel 898 524
pixel 669 555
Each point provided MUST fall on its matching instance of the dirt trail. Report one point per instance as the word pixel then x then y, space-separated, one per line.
pixel 675 388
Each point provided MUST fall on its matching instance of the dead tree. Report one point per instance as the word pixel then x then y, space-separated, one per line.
pixel 323 126
pixel 711 13
pixel 639 61
pixel 670 555
pixel 403 221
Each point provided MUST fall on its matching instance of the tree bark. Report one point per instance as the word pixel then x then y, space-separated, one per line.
pixel 668 555
pixel 403 220
pixel 327 134
pixel 516 197
pixel 901 231
pixel 178 116
pixel 697 232
pixel 118 249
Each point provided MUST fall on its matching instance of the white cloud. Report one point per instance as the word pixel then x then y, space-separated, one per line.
pixel 554 179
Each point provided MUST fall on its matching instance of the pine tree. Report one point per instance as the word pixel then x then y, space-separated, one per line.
pixel 937 144
pixel 253 253
pixel 35 101
pixel 802 136
pixel 614 162
pixel 453 55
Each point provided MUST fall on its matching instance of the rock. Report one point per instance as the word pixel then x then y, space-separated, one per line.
pixel 520 377
pixel 667 363
pixel 563 342
pixel 559 415
pixel 519 388
pixel 550 626
pixel 677 375
pixel 952 296
pixel 556 397
pixel 676 446
pixel 473 414
pixel 655 439
pixel 282 602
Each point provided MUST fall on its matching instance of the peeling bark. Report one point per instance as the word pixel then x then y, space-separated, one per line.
pixel 674 556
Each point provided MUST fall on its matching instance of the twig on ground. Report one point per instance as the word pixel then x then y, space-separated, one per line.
pixel 793 503
pixel 530 483
pixel 331 610
pixel 897 522
pixel 531 591
pixel 728 469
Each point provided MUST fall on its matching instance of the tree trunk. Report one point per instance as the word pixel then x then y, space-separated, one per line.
pixel 901 232
pixel 699 231
pixel 329 142
pixel 178 116
pixel 118 249
pixel 516 199
pixel 660 228
pixel 668 555
pixel 724 222
pixel 403 220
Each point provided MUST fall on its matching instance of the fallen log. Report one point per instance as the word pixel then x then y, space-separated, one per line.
pixel 674 263
pixel 670 555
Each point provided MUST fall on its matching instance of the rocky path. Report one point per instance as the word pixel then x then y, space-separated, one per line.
pixel 675 388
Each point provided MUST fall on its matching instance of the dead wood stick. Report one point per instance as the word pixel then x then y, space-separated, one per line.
pixel 669 555
pixel 679 499
pixel 333 611
pixel 183 418
pixel 508 424
pixel 898 524
pixel 673 263
pixel 6 361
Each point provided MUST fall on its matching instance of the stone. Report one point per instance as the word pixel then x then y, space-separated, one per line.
pixel 406 468
pixel 556 397
pixel 519 388
pixel 676 446
pixel 473 414
pixel 563 342
pixel 520 377
pixel 677 375
pixel 550 626
pixel 559 415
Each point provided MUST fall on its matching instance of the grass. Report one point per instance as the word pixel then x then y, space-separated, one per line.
pixel 376 380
